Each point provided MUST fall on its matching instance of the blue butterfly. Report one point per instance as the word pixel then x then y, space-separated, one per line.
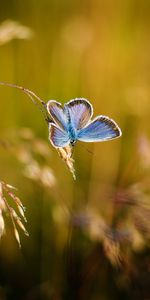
pixel 73 123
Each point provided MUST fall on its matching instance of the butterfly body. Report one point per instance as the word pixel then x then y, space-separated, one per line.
pixel 72 134
pixel 73 122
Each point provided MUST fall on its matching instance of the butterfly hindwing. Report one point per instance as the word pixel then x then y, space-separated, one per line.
pixel 101 128
pixel 79 112
pixel 58 137
pixel 56 111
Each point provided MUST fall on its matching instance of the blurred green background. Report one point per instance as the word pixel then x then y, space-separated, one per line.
pixel 89 238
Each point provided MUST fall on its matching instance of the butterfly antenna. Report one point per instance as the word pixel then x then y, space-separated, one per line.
pixel 35 99
pixel 89 151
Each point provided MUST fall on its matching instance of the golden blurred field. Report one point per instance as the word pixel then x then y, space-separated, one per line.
pixel 89 238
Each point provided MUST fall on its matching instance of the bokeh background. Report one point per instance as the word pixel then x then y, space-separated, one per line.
pixel 89 238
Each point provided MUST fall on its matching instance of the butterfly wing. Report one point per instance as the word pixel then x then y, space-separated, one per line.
pixel 57 114
pixel 100 129
pixel 58 137
pixel 79 111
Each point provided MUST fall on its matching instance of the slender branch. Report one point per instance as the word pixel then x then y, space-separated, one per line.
pixel 38 102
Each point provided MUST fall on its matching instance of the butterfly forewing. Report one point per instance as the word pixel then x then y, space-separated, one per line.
pixel 56 111
pixel 101 128
pixel 58 137
pixel 79 112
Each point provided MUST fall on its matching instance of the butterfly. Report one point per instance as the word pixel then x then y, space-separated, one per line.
pixel 72 122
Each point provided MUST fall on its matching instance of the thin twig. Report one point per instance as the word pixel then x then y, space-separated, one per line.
pixel 31 95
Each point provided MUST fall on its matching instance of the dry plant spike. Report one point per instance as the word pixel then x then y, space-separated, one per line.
pixel 2 203
pixel 17 201
pixel 66 155
pixel 10 29
pixel 17 235
pixel 22 213
pixel 10 186
pixel 2 224
pixel 5 207
pixel 9 210
pixel 18 221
